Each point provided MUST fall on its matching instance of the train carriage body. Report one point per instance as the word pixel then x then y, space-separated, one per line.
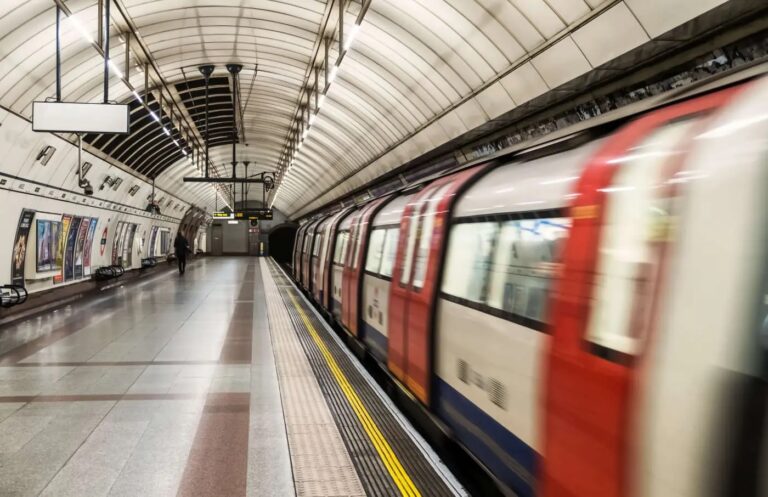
pixel 377 277
pixel 323 280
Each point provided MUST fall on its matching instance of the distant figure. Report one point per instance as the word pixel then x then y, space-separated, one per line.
pixel 182 248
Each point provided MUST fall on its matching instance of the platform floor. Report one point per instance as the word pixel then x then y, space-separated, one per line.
pixel 222 382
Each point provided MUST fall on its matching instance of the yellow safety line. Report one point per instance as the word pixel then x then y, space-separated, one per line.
pixel 388 457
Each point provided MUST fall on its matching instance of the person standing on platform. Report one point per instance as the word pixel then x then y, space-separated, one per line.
pixel 182 248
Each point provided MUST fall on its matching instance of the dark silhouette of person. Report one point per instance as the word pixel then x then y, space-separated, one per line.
pixel 182 248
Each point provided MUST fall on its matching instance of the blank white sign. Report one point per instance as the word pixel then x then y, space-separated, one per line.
pixel 68 117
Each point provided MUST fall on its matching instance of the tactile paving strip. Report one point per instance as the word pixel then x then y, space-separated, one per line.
pixel 320 462
pixel 375 477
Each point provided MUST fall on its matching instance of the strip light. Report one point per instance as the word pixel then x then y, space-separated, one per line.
pixel 320 101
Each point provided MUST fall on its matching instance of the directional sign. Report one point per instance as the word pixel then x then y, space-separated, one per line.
pixel 252 214
pixel 223 215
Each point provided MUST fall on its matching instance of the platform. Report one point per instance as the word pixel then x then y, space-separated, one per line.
pixel 220 382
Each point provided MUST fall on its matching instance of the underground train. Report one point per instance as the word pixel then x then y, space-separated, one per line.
pixel 588 318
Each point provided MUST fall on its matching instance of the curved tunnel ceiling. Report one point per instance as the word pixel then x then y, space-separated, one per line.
pixel 410 66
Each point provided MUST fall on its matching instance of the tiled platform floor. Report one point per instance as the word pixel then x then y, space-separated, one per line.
pixel 169 386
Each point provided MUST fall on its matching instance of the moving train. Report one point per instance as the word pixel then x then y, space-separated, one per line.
pixel 588 316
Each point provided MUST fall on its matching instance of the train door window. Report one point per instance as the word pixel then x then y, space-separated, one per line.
pixel 341 247
pixel 375 247
pixel 413 227
pixel 636 222
pixel 469 257
pixel 318 242
pixel 389 252
pixel 526 261
pixel 305 246
pixel 427 221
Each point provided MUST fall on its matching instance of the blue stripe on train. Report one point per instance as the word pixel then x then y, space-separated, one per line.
pixel 511 460
pixel 377 342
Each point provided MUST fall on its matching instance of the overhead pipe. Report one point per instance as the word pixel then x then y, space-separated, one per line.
pixel 206 71
pixel 106 50
pixel 58 53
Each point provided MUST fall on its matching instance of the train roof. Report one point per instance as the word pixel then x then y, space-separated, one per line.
pixel 392 211
pixel 538 184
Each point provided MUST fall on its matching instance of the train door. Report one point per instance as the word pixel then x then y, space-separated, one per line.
pixel 414 282
pixel 324 275
pixel 297 246
pixel 353 271
pixel 306 257
pixel 604 310
pixel 338 265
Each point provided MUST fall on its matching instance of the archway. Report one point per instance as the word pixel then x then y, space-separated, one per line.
pixel 281 242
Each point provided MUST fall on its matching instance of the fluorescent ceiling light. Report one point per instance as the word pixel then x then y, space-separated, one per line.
pixel 116 70
pixel 81 29
pixel 333 74
pixel 351 36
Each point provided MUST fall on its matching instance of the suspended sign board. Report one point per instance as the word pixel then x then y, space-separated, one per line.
pixel 223 215
pixel 65 117
pixel 255 214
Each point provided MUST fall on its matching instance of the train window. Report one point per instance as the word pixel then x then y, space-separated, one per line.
pixel 413 227
pixel 636 222
pixel 318 242
pixel 526 260
pixel 341 247
pixel 389 252
pixel 427 222
pixel 305 245
pixel 375 246
pixel 469 256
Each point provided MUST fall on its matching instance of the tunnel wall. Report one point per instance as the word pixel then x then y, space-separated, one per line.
pixel 52 192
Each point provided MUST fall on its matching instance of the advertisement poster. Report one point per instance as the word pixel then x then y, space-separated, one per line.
pixel 55 243
pixel 66 220
pixel 165 238
pixel 46 249
pixel 103 242
pixel 130 232
pixel 117 242
pixel 152 239
pixel 20 247
pixel 89 246
pixel 69 253
pixel 85 224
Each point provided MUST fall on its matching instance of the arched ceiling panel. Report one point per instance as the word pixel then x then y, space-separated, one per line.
pixel 419 73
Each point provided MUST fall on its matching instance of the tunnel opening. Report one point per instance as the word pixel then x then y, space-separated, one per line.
pixel 281 242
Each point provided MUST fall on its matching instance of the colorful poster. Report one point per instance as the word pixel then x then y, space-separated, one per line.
pixel 116 243
pixel 82 233
pixel 152 240
pixel 127 245
pixel 69 252
pixel 66 220
pixel 55 242
pixel 103 243
pixel 20 247
pixel 89 246
pixel 46 251
pixel 164 241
